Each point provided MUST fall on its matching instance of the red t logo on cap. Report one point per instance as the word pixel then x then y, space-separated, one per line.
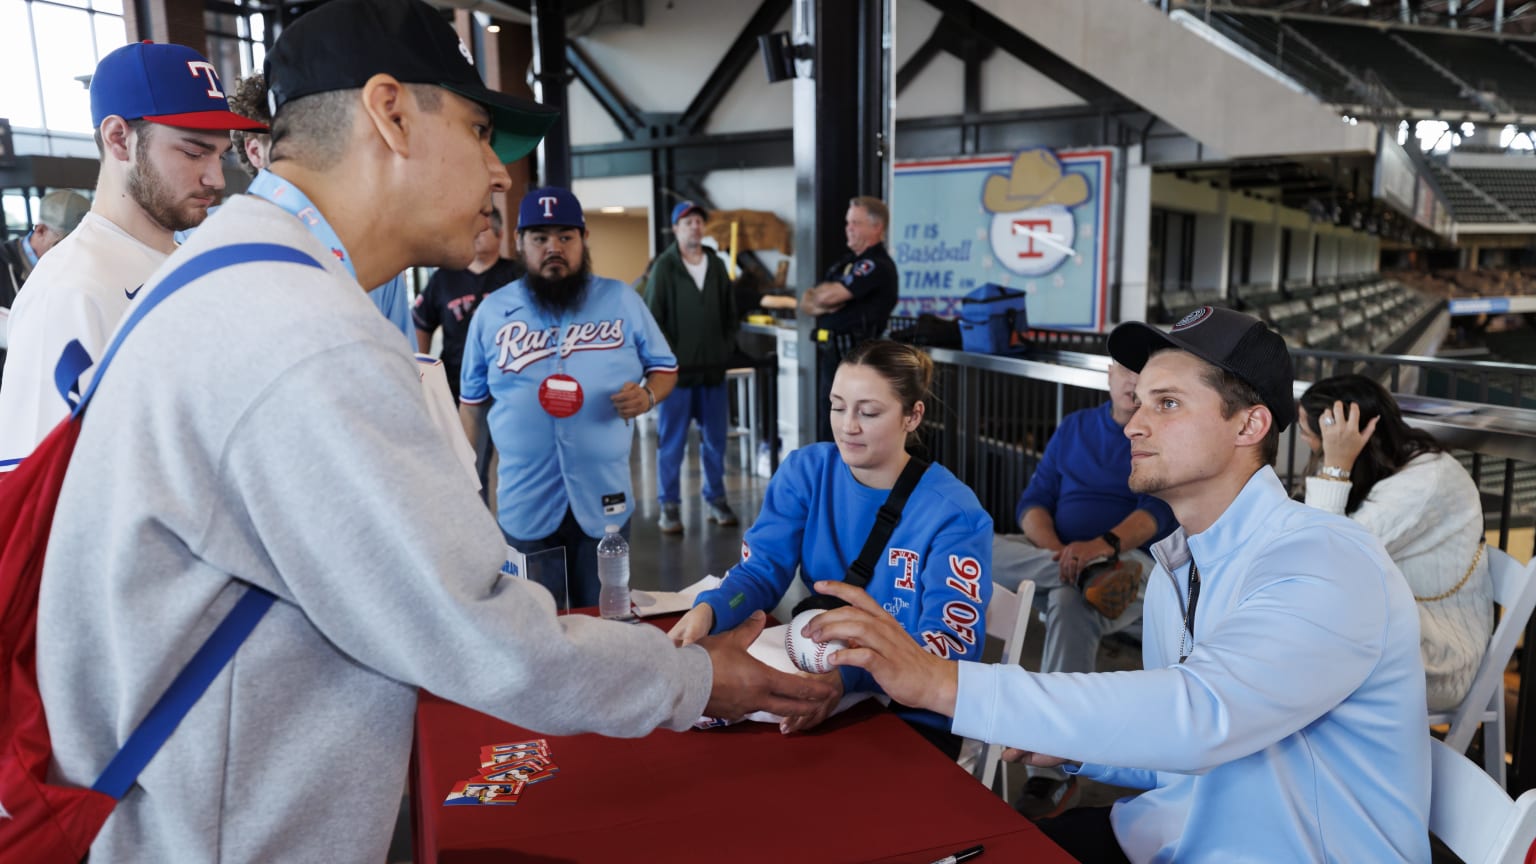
pixel 197 67
pixel 549 202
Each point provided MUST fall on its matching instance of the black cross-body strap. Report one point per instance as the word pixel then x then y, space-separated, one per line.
pixel 886 519
pixel 863 567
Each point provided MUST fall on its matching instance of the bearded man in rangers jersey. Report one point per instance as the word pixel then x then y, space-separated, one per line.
pixel 162 126
pixel 558 363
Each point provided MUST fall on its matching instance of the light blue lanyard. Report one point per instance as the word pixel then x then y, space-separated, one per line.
pixel 287 196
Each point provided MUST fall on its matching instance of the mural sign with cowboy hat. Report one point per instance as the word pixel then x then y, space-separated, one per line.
pixel 1037 221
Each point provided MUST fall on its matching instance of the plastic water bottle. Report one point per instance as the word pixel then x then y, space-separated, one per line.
pixel 613 573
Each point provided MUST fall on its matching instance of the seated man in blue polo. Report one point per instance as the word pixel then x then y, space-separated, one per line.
pixel 1084 546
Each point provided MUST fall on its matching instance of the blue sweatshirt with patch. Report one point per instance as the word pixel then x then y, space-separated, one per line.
pixel 935 575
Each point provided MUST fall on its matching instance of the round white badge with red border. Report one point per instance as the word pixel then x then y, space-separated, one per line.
pixel 560 395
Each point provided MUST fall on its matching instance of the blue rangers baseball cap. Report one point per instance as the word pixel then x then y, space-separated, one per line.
pixel 550 207
pixel 686 207
pixel 163 83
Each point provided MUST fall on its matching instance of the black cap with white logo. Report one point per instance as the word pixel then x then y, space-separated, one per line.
pixel 339 45
pixel 1238 343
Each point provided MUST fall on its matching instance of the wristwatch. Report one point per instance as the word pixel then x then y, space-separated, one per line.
pixel 647 388
pixel 1113 540
pixel 1333 473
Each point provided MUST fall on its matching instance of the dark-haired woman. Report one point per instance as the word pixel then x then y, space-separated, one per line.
pixel 1398 481
pixel 935 574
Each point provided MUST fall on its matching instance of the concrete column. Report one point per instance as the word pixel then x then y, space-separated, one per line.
pixel 1137 225
pixel 1213 249
pixel 178 21
pixel 1266 255
pixel 1300 265
pixel 1327 257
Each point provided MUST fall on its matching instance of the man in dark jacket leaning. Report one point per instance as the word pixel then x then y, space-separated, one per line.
pixel 690 296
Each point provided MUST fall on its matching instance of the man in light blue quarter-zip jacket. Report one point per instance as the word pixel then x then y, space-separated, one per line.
pixel 1280 714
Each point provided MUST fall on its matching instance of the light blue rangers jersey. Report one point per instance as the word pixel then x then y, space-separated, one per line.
pixel 549 463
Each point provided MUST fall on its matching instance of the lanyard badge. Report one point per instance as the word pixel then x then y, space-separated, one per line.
pixel 270 187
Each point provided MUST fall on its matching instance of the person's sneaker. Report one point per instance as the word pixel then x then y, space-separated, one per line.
pixel 671 519
pixel 1047 797
pixel 1110 588
pixel 721 512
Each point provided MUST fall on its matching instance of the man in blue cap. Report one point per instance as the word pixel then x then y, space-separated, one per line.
pixel 263 427
pixel 558 363
pixel 690 295
pixel 162 126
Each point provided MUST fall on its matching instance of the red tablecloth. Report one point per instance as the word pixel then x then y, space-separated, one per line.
pixel 863 787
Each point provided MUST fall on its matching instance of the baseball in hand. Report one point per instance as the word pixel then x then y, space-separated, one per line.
pixel 809 656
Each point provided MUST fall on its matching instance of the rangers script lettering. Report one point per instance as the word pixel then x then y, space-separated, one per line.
pixel 520 347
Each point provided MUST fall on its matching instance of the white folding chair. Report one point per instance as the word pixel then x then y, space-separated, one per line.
pixel 1514 589
pixel 1007 619
pixel 1473 815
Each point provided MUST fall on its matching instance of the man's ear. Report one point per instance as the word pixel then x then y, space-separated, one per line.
pixel 115 135
pixel 390 111
pixel 1256 423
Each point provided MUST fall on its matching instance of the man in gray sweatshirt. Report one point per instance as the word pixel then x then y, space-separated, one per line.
pixel 264 426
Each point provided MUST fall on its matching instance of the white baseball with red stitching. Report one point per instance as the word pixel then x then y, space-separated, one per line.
pixel 807 655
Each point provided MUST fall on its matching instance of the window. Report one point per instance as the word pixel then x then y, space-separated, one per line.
pixel 238 38
pixel 46 47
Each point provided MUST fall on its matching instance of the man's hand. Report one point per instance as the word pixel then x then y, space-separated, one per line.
pixel 743 685
pixel 824 298
pixel 801 722
pixel 631 400
pixel 1075 556
pixel 878 643
pixel 693 626
pixel 1039 760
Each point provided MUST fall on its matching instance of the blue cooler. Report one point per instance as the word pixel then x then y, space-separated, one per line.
pixel 989 316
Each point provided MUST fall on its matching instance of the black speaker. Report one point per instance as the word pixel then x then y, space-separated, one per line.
pixel 778 56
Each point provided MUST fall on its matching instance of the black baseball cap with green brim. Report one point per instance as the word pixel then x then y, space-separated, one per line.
pixel 339 45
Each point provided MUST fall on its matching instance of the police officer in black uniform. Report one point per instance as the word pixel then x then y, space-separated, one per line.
pixel 854 302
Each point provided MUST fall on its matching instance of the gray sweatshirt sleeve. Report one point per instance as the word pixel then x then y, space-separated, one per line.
pixel 346 488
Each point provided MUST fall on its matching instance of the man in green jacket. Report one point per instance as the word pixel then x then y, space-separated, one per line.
pixel 690 296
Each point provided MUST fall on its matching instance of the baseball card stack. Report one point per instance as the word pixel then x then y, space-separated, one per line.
pixel 505 771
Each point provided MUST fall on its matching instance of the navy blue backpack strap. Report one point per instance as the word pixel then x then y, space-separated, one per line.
pixel 215 653
pixel 183 693
pixel 67 373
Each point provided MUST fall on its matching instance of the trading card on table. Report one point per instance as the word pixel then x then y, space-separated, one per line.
pixel 496 758
pixel 521 772
pixel 540 746
pixel 478 791
pixel 531 763
pixel 537 743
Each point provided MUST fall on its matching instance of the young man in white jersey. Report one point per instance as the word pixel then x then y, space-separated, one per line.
pixel 162 125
